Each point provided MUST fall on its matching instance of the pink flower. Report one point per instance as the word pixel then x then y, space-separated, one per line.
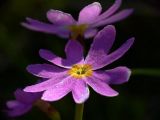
pixel 90 17
pixel 75 73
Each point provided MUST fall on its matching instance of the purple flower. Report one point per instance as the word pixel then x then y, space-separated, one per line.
pixel 22 104
pixel 75 73
pixel 90 17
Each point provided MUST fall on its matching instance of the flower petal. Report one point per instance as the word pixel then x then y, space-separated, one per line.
pixel 118 75
pixel 59 90
pixel 26 97
pixel 12 104
pixel 60 18
pixel 51 57
pixel 108 59
pixel 17 108
pixel 90 33
pixel 101 87
pixel 45 70
pixel 47 84
pixel 101 45
pixel 39 26
pixel 109 11
pixel 100 74
pixel 117 53
pixel 80 91
pixel 114 18
pixel 47 28
pixel 89 13
pixel 74 53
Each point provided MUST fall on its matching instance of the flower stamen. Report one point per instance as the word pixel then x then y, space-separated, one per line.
pixel 80 71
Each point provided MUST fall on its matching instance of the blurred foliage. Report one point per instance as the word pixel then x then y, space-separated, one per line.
pixel 138 99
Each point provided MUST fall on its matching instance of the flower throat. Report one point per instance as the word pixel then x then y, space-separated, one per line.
pixel 80 71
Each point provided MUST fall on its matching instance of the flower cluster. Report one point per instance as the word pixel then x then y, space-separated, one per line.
pixel 76 73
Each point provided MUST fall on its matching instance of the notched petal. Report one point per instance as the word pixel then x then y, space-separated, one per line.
pixel 89 13
pixel 60 18
pixel 45 70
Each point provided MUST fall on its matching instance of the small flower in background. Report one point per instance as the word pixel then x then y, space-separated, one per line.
pixel 90 17
pixel 22 104
pixel 75 73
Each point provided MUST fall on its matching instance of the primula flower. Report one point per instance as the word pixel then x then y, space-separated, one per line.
pixel 75 73
pixel 90 17
pixel 22 104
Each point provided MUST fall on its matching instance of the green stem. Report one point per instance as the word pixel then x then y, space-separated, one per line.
pixel 148 72
pixel 79 111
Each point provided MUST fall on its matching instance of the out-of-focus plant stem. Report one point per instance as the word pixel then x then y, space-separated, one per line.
pixel 79 111
pixel 49 110
pixel 146 72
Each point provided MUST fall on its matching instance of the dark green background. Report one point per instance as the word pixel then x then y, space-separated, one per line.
pixel 139 99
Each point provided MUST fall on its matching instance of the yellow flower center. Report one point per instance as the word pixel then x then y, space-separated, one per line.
pixel 77 30
pixel 80 71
